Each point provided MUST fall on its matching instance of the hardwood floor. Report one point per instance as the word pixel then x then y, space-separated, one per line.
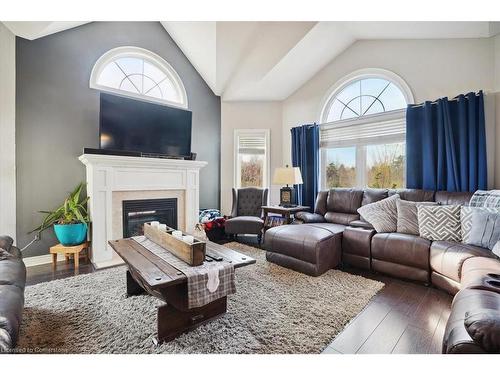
pixel 403 318
pixel 44 272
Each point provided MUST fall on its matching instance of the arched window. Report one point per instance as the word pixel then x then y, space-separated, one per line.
pixel 138 73
pixel 366 92
pixel 365 96
pixel 363 131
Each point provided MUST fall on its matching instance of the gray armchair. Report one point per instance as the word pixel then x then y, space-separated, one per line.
pixel 246 215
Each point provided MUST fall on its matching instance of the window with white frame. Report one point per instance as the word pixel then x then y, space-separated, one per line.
pixel 252 159
pixel 362 135
pixel 139 73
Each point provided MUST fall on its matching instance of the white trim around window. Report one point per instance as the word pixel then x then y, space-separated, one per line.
pixel 361 132
pixel 146 55
pixel 266 135
pixel 362 74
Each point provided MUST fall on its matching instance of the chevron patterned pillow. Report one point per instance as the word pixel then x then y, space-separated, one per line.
pixel 383 215
pixel 408 217
pixel 439 223
pixel 466 219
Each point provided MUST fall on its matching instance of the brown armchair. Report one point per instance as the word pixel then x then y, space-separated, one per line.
pixel 246 214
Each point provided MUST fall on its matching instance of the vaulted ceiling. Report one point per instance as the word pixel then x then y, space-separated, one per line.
pixel 37 29
pixel 271 60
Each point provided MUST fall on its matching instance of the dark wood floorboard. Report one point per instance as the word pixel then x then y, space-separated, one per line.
pixel 360 329
pixel 44 272
pixel 385 336
pixel 437 339
pixel 414 340
pixel 403 318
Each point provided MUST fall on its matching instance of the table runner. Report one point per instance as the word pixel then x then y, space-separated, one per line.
pixel 198 293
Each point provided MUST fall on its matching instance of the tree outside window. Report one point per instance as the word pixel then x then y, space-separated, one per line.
pixel 252 171
pixel 385 166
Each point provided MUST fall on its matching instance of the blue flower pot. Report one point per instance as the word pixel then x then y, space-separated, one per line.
pixel 71 234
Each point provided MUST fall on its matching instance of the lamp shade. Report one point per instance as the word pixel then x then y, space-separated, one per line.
pixel 287 176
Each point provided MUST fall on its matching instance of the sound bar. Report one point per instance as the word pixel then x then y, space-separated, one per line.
pixel 98 151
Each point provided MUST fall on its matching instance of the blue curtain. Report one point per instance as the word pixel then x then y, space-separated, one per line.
pixel 446 144
pixel 305 155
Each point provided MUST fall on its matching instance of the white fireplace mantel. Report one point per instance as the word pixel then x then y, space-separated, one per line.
pixel 108 174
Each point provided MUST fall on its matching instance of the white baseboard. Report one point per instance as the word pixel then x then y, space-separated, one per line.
pixel 47 259
pixel 109 263
pixel 41 259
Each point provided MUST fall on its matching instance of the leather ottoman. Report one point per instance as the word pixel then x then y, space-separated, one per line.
pixel 312 249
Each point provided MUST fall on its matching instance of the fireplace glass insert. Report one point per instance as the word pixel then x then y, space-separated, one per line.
pixel 138 212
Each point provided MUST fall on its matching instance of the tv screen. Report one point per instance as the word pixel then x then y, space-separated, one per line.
pixel 133 125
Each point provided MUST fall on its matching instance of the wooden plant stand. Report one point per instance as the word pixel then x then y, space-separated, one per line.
pixel 69 251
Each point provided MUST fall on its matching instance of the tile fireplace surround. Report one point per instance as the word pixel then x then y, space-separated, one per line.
pixel 113 179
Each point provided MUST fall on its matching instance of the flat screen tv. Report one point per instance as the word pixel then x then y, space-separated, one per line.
pixel 136 126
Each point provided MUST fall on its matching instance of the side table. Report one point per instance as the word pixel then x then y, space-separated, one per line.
pixel 285 212
pixel 68 251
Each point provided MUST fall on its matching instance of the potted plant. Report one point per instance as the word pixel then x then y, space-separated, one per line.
pixel 70 220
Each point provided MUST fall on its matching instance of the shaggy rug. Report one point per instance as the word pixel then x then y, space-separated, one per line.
pixel 275 310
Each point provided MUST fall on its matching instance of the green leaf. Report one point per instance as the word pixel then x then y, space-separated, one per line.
pixel 73 210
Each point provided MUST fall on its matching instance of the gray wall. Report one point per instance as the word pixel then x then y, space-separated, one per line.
pixel 57 114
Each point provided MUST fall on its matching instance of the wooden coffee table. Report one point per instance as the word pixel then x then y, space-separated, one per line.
pixel 149 273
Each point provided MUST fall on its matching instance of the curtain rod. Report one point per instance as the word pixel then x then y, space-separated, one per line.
pixel 436 101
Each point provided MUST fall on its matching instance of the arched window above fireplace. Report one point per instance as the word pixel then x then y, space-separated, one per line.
pixel 138 73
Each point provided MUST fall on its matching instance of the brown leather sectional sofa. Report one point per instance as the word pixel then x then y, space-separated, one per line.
pixel 12 282
pixel 336 233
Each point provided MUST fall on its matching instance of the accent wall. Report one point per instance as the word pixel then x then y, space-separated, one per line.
pixel 57 114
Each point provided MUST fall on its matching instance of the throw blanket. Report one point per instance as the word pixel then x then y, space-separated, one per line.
pixel 206 283
pixel 486 198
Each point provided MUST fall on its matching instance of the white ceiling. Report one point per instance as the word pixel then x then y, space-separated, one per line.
pixel 271 60
pixel 37 29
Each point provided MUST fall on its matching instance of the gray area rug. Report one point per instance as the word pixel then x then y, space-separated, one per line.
pixel 275 310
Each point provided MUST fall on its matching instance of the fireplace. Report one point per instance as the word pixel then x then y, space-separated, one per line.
pixel 113 179
pixel 140 211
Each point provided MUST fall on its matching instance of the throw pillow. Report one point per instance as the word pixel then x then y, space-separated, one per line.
pixel 496 249
pixel 383 215
pixel 439 223
pixel 408 216
pixel 466 219
pixel 485 231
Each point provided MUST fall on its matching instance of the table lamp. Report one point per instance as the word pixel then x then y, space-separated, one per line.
pixel 287 176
